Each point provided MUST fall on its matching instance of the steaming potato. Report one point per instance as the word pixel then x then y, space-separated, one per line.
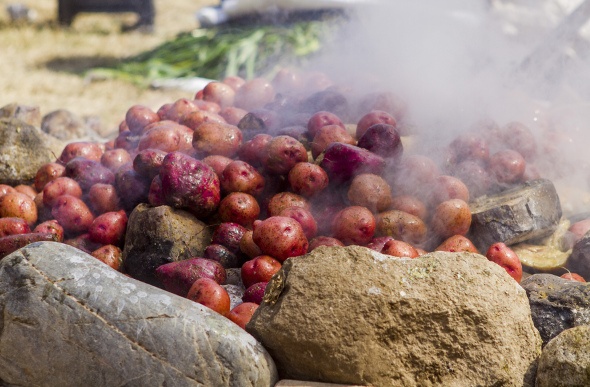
pixel 327 135
pixel 212 138
pixel 401 225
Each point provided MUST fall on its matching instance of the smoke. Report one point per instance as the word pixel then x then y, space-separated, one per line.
pixel 460 61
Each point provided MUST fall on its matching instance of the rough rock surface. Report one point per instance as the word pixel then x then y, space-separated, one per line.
pixel 160 235
pixel 70 320
pixel 565 360
pixel 23 149
pixel 579 260
pixel 28 114
pixel 529 211
pixel 354 316
pixel 65 125
pixel 556 303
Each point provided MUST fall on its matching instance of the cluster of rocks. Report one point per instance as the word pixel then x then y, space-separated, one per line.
pixel 345 315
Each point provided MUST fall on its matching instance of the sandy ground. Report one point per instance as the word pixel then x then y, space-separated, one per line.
pixel 42 64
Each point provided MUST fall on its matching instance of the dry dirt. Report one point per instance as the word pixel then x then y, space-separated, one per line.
pixel 43 64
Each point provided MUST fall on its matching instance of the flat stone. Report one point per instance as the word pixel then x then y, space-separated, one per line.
pixel 70 320
pixel 557 304
pixel 350 315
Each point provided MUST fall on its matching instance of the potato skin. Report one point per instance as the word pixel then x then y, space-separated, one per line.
pixel 13 225
pixel 401 225
pixel 451 217
pixel 110 255
pixel 109 228
pixel 16 204
pixel 209 293
pixel 73 214
pixel 11 243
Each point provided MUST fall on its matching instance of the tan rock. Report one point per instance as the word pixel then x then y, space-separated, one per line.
pixel 565 360
pixel 350 315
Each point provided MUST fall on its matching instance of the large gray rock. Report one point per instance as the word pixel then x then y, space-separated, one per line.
pixel 556 303
pixel 565 360
pixel 70 320
pixel 352 315
pixel 159 235
pixel 23 149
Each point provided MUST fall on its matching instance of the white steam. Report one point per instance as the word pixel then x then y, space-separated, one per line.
pixel 458 61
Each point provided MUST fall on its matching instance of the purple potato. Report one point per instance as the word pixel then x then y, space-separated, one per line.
pixel 255 293
pixel 178 277
pixel 88 172
pixel 190 184
pixel 344 161
pixel 229 234
pixel 383 140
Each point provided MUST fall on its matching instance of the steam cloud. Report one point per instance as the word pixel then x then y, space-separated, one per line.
pixel 456 62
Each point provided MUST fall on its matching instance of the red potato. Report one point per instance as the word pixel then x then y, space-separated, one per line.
pixel 88 172
pixel 109 255
pixel 447 187
pixel 374 117
pixel 259 269
pixel 344 161
pixel 239 207
pixel 13 225
pixel 254 94
pixel 109 228
pixel 384 140
pixel 371 191
pixel 354 225
pixel 282 153
pixel 323 241
pixel 72 214
pixel 451 217
pixel 307 179
pixel 401 225
pixel 477 179
pixel 178 109
pixel 242 313
pixel 19 205
pixel 167 136
pixel 209 293
pixel 400 249
pixel 148 162
pixel 232 115
pixel 11 243
pixel 229 235
pixel 280 237
pixel 378 243
pixel 320 119
pixel 411 205
pixel 178 277
pixel 27 190
pixel 5 188
pixel 140 116
pixel 113 159
pixel 189 183
pixel 240 176
pixel 305 219
pixel 51 227
pixel 255 293
pixel 83 242
pixel 413 173
pixel 283 200
pixel 519 137
pixel 384 101
pixel 220 93
pixel 253 151
pixel 327 135
pixel 248 247
pixel 504 256
pixel 194 119
pixel 127 141
pixel 507 166
pixel 46 173
pixel 89 150
pixel 217 163
pixel 469 146
pixel 234 81
pixel 207 106
pixel 457 243
pixel 221 254
pixel 211 138
pixel 573 277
